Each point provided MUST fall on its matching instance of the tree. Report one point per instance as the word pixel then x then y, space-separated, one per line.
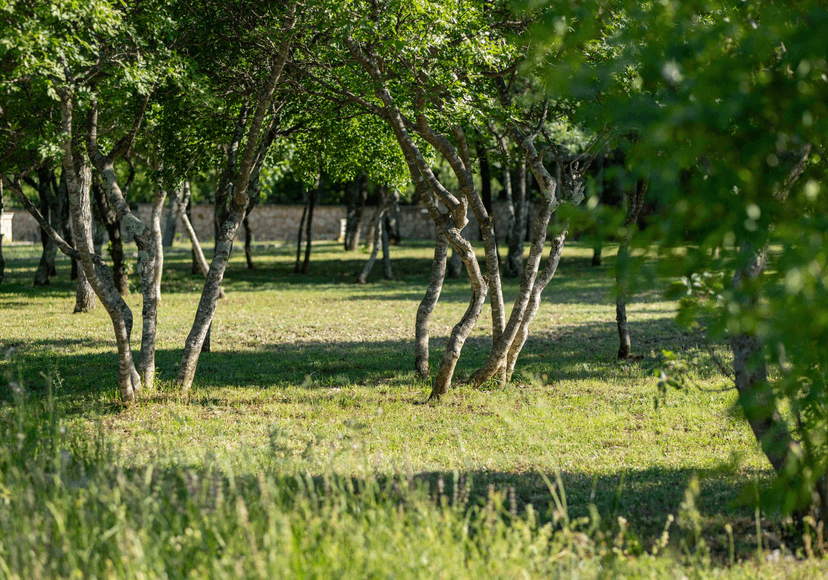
pixel 728 104
pixel 433 72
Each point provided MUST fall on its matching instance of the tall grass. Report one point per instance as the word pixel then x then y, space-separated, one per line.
pixel 69 509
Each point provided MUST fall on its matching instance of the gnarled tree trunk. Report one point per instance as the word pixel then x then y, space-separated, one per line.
pixel 356 209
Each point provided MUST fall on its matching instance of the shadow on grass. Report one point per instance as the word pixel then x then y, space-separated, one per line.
pixel 569 352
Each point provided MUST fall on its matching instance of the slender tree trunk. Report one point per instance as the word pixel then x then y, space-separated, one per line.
pixel 356 211
pixel 635 203
pixel 236 209
pixel 104 214
pixel 597 249
pixel 248 240
pixel 296 266
pixel 317 190
pixel 51 203
pixel 198 254
pixel 432 295
pixel 78 181
pixel 387 271
pixel 541 282
pixel 2 259
pixel 379 236
pixel 171 222
pixel 194 266
pixel 517 218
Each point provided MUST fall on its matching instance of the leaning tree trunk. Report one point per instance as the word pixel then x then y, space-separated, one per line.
pixel 237 206
pixel 751 374
pixel 622 270
pixel 432 295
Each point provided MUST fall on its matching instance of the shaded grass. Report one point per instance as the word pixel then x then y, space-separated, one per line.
pixel 312 376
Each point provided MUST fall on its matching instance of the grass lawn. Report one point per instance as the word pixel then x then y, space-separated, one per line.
pixel 305 448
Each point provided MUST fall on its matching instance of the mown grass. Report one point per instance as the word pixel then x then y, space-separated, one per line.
pixel 309 424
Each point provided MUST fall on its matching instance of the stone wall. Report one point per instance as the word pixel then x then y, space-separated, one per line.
pixel 281 222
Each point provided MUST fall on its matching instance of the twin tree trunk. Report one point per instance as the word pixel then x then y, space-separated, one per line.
pixel 507 338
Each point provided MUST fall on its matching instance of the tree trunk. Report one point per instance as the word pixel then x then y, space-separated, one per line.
pixel 303 268
pixel 105 214
pixel 635 203
pixel 751 375
pixel 199 260
pixel 171 222
pixel 248 240
pixel 51 207
pixel 432 295
pixel 78 182
pixel 541 282
pixel 194 265
pixel 379 236
pixel 237 206
pixel 597 248
pixel 84 294
pixel 516 198
pixel 299 234
pixel 356 211
pixel 2 259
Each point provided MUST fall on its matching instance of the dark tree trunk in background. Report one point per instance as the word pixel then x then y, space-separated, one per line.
pixel 171 223
pixel 518 212
pixel 105 215
pixel 248 239
pixel 317 190
pixel 356 210
pixel 379 235
pixel 307 223
pixel 635 203
pixel 2 259
pixel 52 202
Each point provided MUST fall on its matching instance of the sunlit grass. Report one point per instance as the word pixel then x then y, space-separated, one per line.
pixel 312 376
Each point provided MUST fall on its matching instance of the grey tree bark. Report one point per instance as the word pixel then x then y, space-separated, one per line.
pixel 635 203
pixel 78 182
pixel 426 308
pixel 147 238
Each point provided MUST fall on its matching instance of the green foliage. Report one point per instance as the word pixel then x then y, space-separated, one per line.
pixel 727 106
